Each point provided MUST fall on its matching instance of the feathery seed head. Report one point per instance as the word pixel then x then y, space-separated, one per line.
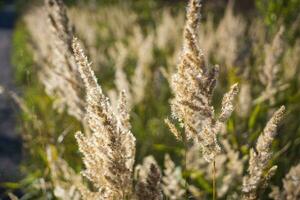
pixel 149 180
pixel 109 152
pixel 227 103
pixel 291 189
pixel 193 85
pixel 172 180
pixel 173 129
pixel 260 157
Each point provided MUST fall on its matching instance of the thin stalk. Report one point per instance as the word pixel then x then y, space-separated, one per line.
pixel 214 181
pixel 185 165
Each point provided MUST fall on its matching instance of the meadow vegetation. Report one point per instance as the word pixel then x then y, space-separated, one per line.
pixel 131 102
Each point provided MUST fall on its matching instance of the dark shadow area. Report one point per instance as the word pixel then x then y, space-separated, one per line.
pixel 10 142
pixel 7 15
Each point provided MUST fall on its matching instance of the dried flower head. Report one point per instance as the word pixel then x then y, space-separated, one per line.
pixel 148 186
pixel 270 70
pixel 291 189
pixel 229 34
pixel 52 33
pixel 193 86
pixel 260 157
pixel 110 150
pixel 229 167
pixel 173 182
pixel 244 100
pixel 142 74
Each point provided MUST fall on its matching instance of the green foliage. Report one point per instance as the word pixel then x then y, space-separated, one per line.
pixel 274 11
pixel 22 58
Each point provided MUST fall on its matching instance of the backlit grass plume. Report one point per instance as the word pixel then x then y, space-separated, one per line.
pixel 173 182
pixel 52 32
pixel 259 173
pixel 291 189
pixel 270 71
pixel 109 151
pixel 148 186
pixel 193 85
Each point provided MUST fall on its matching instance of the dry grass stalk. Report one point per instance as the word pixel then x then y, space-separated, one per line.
pixel 142 71
pixel 229 167
pixel 58 71
pixel 142 48
pixel 229 36
pixel 269 76
pixel 109 152
pixel 207 37
pixel 168 30
pixel 193 86
pixel 258 170
pixel 65 181
pixel 291 61
pixel 244 100
pixel 173 129
pixel 173 182
pixel 148 186
pixel 121 80
pixel 273 52
pixel 141 77
pixel 291 189
pixel 64 79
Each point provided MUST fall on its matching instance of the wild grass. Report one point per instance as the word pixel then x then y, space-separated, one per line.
pixel 141 74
